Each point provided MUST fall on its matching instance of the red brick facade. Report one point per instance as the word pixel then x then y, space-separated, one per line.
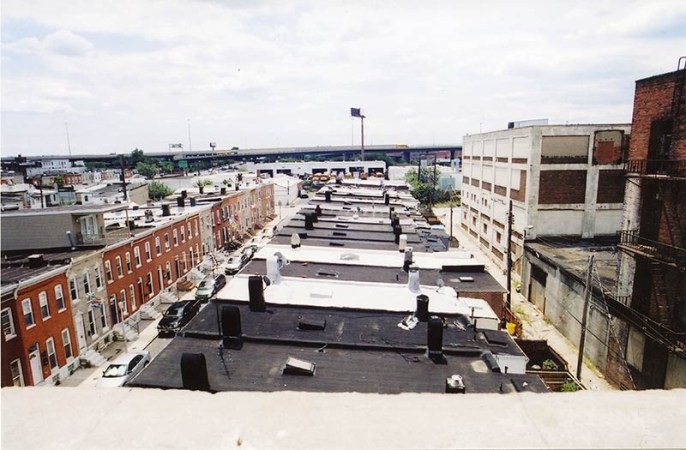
pixel 562 187
pixel 48 320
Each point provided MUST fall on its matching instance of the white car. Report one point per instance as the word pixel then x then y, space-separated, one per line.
pixel 124 368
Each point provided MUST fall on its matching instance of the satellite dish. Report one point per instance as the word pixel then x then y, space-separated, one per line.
pixel 440 283
pixel 281 260
pixel 267 281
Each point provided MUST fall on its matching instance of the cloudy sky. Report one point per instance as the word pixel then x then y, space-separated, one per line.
pixel 139 74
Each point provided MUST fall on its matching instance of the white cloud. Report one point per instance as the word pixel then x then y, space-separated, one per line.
pixel 263 74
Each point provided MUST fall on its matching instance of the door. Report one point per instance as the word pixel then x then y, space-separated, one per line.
pixel 36 369
pixel 80 331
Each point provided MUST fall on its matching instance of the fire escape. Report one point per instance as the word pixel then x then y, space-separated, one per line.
pixel 659 245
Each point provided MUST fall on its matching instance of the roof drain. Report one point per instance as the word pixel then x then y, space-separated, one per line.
pixel 256 294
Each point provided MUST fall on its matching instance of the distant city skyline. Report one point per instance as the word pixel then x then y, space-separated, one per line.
pixel 263 74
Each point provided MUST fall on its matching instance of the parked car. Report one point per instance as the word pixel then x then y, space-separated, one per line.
pixel 304 195
pixel 209 286
pixel 177 316
pixel 123 369
pixel 236 263
pixel 250 251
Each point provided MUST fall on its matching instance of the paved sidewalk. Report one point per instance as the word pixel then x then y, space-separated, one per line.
pixel 534 324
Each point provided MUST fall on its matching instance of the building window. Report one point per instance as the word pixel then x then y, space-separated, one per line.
pixel 137 255
pixel 148 254
pixel 498 236
pixel 123 306
pixel 44 307
pixel 50 344
pixel 98 277
pixel 129 269
pixel 158 246
pixel 120 269
pixel 8 324
pixel 183 233
pixel 108 271
pixel 175 237
pixel 132 294
pixel 59 298
pixel 17 376
pixel 196 228
pixel 167 246
pixel 169 273
pixel 148 283
pixel 73 291
pixel 87 283
pixel 190 231
pixel 103 318
pixel 28 312
pixel 66 340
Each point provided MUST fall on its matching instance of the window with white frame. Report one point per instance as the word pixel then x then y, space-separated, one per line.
pixel 87 283
pixel 103 318
pixel 167 245
pixel 108 271
pixel 8 329
pixel 73 290
pixel 148 253
pixel 98 277
pixel 66 341
pixel 17 375
pixel 123 306
pixel 148 282
pixel 120 268
pixel 169 272
pixel 44 307
pixel 132 295
pixel 196 227
pixel 27 310
pixel 59 298
pixel 190 231
pixel 52 357
pixel 158 246
pixel 175 237
pixel 183 233
pixel 127 259
pixel 137 255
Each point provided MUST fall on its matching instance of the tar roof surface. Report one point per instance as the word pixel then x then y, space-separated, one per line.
pixel 358 351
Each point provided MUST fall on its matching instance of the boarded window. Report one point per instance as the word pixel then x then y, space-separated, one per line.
pixel 564 149
pixel 607 147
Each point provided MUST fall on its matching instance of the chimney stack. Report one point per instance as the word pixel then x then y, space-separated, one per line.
pixel 434 339
pixel 256 294
pixel 232 334
pixel 194 372
pixel 422 311
pixel 413 280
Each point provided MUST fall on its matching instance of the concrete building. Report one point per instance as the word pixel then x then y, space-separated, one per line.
pixel 652 272
pixel 562 180
pixel 302 168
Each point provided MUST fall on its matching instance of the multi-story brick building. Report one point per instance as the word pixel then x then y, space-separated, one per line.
pixel 38 343
pixel 562 180
pixel 652 272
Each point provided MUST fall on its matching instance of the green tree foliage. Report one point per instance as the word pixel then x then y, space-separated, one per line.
pixel 137 156
pixel 166 166
pixel 58 181
pixel 148 170
pixel 158 191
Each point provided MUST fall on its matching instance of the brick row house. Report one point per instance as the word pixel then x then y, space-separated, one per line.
pixel 62 302
pixel 38 341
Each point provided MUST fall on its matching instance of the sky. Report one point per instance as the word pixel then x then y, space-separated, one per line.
pixel 96 76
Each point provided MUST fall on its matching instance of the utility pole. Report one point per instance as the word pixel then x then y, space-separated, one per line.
pixel 510 222
pixel 587 301
pixel 450 242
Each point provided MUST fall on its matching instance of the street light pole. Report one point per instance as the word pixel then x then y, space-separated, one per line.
pixel 510 222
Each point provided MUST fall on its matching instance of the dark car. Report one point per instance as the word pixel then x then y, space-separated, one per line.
pixel 209 286
pixel 177 316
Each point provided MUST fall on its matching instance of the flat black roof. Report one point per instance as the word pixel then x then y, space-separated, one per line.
pixel 358 351
pixel 481 281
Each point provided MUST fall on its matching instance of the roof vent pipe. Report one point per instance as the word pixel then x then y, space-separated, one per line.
pixel 422 311
pixel 434 338
pixel 413 280
pixel 166 209
pixel 194 372
pixel 193 201
pixel 222 191
pixel 232 333
pixel 273 272
pixel 407 261
pixel 318 210
pixel 295 240
pixel 397 231
pixel 180 201
pixel 256 294
pixel 327 196
pixel 386 198
pixel 402 243
pixel 184 194
pixel 309 222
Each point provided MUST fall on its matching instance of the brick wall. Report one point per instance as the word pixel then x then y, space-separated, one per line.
pixel 611 184
pixel 652 101
pixel 562 187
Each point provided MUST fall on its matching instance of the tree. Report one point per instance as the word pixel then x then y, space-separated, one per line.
pixel 201 183
pixel 137 157
pixel 58 181
pixel 158 191
pixel 148 170
pixel 166 166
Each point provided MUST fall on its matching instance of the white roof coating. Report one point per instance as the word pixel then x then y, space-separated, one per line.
pixel 173 419
pixel 367 257
pixel 358 295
